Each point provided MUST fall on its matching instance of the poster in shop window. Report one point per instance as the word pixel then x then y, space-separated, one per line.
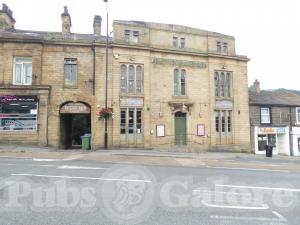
pixel 200 130
pixel 160 130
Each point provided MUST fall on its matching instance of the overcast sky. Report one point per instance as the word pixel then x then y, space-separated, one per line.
pixel 267 31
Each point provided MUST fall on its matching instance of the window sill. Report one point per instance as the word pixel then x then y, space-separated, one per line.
pixel 70 87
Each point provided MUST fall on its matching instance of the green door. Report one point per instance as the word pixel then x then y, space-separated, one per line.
pixel 180 128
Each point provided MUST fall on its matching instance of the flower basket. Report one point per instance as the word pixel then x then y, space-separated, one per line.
pixel 105 113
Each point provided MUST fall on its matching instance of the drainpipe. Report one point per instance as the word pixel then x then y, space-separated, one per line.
pixel 94 68
pixel 291 133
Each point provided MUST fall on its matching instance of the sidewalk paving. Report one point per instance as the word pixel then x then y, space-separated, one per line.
pixel 48 151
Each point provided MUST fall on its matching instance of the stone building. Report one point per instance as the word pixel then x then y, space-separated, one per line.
pixel 169 87
pixel 274 120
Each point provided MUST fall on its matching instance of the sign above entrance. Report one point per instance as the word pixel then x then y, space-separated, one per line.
pixel 176 62
pixel 131 102
pixel 272 130
pixel 75 108
pixel 224 104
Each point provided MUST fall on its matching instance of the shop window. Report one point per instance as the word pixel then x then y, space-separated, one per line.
pixel 70 72
pixel 266 139
pixel 265 116
pixel 18 113
pixel 298 115
pixel 131 79
pixel 22 71
pixel 223 84
pixel 179 78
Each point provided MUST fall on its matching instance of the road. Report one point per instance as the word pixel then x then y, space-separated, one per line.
pixel 231 191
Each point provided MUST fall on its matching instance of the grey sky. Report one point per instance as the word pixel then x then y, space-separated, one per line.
pixel 267 31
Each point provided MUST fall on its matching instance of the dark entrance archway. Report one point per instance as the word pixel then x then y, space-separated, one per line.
pixel 75 121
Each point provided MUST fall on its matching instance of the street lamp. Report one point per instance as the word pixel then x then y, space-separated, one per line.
pixel 106 78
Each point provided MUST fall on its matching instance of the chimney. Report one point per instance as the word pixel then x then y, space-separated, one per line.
pixel 66 22
pixel 7 22
pixel 97 25
pixel 256 86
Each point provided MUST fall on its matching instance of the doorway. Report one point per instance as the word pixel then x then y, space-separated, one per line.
pixel 75 121
pixel 180 128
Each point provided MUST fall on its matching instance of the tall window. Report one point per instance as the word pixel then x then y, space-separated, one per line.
pixel 22 71
pixel 182 42
pixel 131 79
pixel 219 47
pixel 179 82
pixel 127 35
pixel 222 47
pixel 217 121
pixel 225 47
pixel 175 42
pixel 223 119
pixel 135 37
pixel 131 76
pixel 18 113
pixel 298 115
pixel 70 73
pixel 265 116
pixel 223 82
pixel 139 79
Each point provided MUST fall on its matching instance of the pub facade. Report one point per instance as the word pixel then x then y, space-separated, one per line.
pixel 169 86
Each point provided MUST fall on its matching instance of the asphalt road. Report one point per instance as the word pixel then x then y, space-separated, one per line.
pixel 88 192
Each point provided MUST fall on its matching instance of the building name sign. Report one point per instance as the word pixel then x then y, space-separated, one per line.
pixel 76 108
pixel 175 62
pixel 224 104
pixel 272 130
pixel 131 102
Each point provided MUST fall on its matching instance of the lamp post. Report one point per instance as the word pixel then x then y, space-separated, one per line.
pixel 106 78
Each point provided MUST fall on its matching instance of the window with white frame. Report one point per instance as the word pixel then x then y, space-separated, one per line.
pixel 265 115
pixel 179 77
pixel 22 71
pixel 70 73
pixel 298 115
pixel 131 79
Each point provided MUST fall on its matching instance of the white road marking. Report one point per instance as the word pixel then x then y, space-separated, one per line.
pixel 250 218
pixel 250 169
pixel 279 216
pixel 81 167
pixel 261 188
pixel 73 157
pixel 259 207
pixel 45 160
pixel 221 192
pixel 81 178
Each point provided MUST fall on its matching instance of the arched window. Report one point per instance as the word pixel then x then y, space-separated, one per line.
pixel 176 82
pixel 182 82
pixel 217 84
pixel 222 85
pixel 131 79
pixel 228 85
pixel 139 79
pixel 123 78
